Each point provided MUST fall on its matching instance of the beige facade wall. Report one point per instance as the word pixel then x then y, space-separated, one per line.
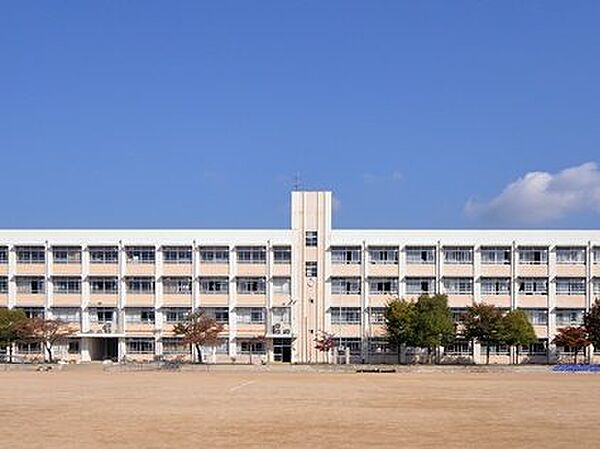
pixel 217 269
pixel 109 269
pixel 66 269
pixel 140 269
pixel 171 300
pixel 174 269
pixel 103 300
pixel 142 300
pixel 61 300
pixel 31 300
pixel 214 300
pixel 35 269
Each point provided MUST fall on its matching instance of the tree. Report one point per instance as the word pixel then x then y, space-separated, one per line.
pixel 517 330
pixel 400 316
pixel 47 332
pixel 434 326
pixel 572 337
pixel 591 323
pixel 11 322
pixel 325 342
pixel 198 330
pixel 484 323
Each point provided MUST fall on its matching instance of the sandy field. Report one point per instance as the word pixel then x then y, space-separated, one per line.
pixel 90 408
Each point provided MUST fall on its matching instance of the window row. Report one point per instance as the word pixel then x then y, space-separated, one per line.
pixel 490 255
pixel 147 254
pixel 147 285
pixel 461 286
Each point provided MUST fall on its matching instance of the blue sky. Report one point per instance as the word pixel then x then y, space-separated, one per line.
pixel 190 114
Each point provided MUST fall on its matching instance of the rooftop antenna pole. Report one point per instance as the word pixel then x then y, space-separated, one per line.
pixel 296 182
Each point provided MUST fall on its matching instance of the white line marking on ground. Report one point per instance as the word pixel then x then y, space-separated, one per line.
pixel 242 385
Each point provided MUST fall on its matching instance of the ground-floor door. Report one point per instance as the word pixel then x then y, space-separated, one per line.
pixel 104 349
pixel 282 350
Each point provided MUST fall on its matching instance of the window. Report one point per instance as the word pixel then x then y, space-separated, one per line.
pixel 377 315
pixel 281 315
pixel 73 346
pixel 311 238
pixel 458 255
pixel 345 315
pixel 33 312
pixel 569 317
pixel 495 349
pixel 67 285
pixel 104 254
pixel 140 345
pixel 140 285
pixel 495 255
pixel 383 286
pixel 458 313
pixel 251 347
pixel 173 345
pixel 176 314
pixel 537 317
pixel 67 314
pixel 570 256
pixel 538 348
pixel 345 286
pixel 139 316
pixel 420 255
pixel 140 254
pixel 220 314
pixel 281 286
pixel 31 254
pixel 597 286
pixel 420 286
pixel 214 254
pixel 458 286
pixel 66 254
pixel 177 285
pixel 30 285
pixel 533 255
pixel 570 286
pixel 251 286
pixel 250 315
pixel 3 285
pixel 104 285
pixel 282 254
pixel 177 254
pixel 596 253
pixel 459 348
pixel 345 255
pixel 385 255
pixel 351 343
pixel 3 254
pixel 251 254
pixel 102 315
pixel 380 345
pixel 533 286
pixel 495 286
pixel 214 286
pixel 29 348
pixel 310 269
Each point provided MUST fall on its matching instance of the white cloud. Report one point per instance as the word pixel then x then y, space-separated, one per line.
pixel 540 197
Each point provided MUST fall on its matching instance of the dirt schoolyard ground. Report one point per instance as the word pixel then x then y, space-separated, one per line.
pixel 88 407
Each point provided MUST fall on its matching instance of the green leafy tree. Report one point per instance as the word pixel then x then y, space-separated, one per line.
pixel 400 317
pixel 591 323
pixel 11 329
pixel 517 330
pixel 484 323
pixel 434 326
pixel 199 330
pixel 572 337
